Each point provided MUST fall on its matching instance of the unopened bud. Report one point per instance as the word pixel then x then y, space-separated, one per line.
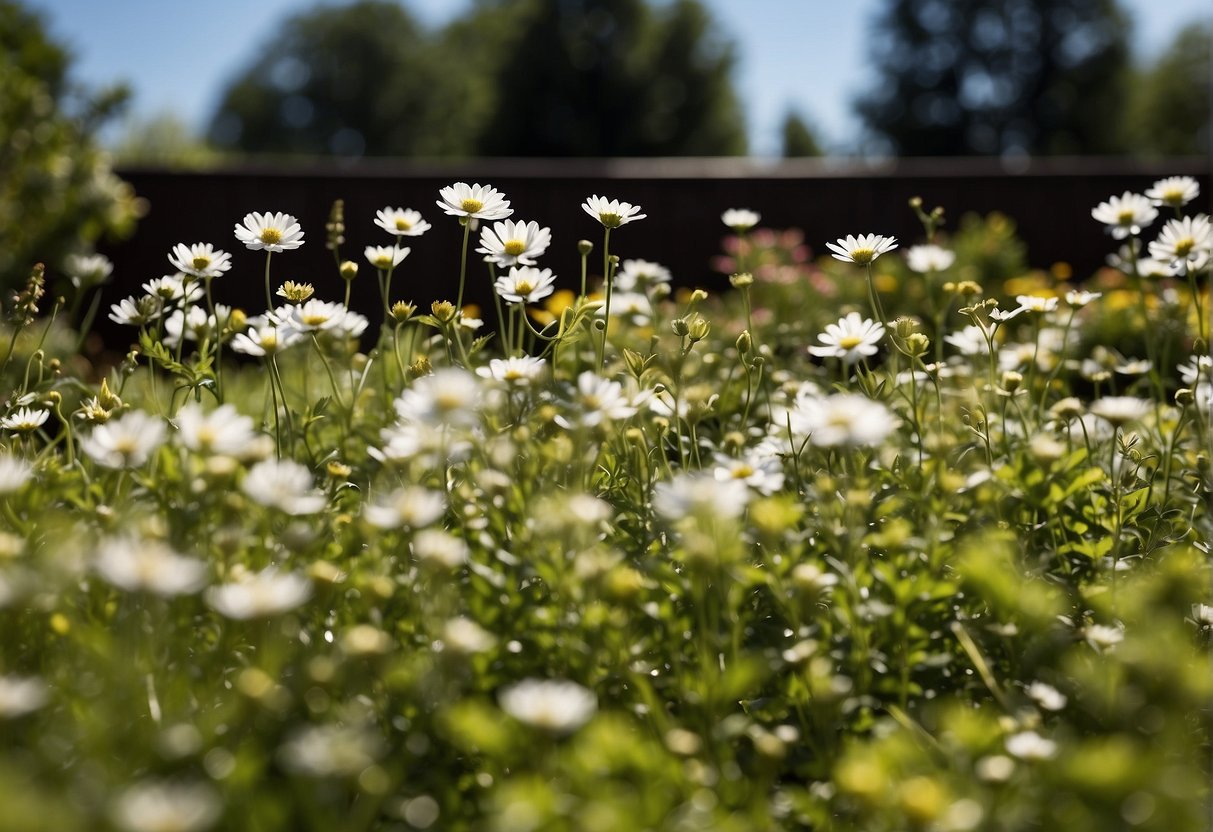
pixel 420 367
pixel 917 344
pixel 698 295
pixel 679 325
pixel 584 247
pixel 744 342
pixel 905 327
pixel 402 311
pixel 349 269
pixel 1011 381
pixel 1184 396
pixel 698 329
pixel 443 310
pixel 740 280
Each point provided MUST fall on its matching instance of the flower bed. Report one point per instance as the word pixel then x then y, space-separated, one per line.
pixel 857 546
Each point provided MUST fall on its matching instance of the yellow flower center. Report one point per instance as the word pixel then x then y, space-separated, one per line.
pixel 314 319
pixel 383 261
pixel 201 262
pixel 1173 196
pixel 403 225
pixel 610 220
pixel 447 402
pixel 270 236
pixel 471 206
pixel 126 445
pixel 848 342
pixel 206 436
pixel 515 247
pixel 523 287
pixel 1125 217
pixel 513 375
pixel 863 256
pixel 742 471
pixel 1184 247
pixel 268 341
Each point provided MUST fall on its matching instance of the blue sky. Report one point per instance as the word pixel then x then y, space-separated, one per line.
pixel 809 55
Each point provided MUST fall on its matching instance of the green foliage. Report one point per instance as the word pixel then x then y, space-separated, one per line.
pixel 1168 113
pixel 798 139
pixel 673 572
pixel 535 78
pixel 58 195
pixel 1038 77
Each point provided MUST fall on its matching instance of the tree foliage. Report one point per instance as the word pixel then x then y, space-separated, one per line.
pixel 58 195
pixel 1043 77
pixel 798 138
pixel 524 78
pixel 1169 109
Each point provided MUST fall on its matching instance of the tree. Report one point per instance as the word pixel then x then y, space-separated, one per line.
pixel 514 78
pixel 353 80
pixel 614 78
pixel 1043 77
pixel 1169 105
pixel 798 138
pixel 58 195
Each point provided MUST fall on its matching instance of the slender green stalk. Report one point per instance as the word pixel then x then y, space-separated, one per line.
pixel 463 261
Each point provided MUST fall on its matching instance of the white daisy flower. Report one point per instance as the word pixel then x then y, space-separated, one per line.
pixel 401 222
pixel 511 243
pixel 552 705
pixel 259 595
pixel 1120 410
pixel 1103 637
pixel 330 751
pixel 194 324
pixel 1028 745
pixel 518 371
pixel 479 201
pixel 14 473
pixel 852 338
pixel 283 484
pixel 20 695
pixel 173 287
pixel 88 269
pixel 265 340
pixel 1126 214
pixel 1033 303
pixel 450 396
pixel 1185 244
pixel 740 220
pixel 316 315
pixel 700 495
pixel 525 284
pixel 929 258
pixel 223 430
pixel 465 636
pixel 385 257
pixel 24 420
pixel 863 249
pixel 760 472
pixel 634 306
pixel 633 275
pixel 1047 696
pixel 611 212
pixel 599 399
pixel 439 548
pixel 271 232
pixel 1078 299
pixel 166 806
pixel 200 259
pixel 1175 191
pixel 138 565
pixel 352 325
pixel 970 341
pixel 134 311
pixel 844 419
pixel 412 507
pixel 125 442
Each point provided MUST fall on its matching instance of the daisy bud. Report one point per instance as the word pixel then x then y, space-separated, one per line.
pixel 917 344
pixel 905 327
pixel 740 280
pixel 402 311
pixel 635 361
pixel 53 398
pixel 698 329
pixel 634 436
pixel 420 367
pixel 915 202
pixel 698 295
pixel 1184 397
pixel 348 269
pixel 1011 381
pixel 584 247
pixel 968 288
pixel 679 325
pixel 338 470
pixel 443 310
pixel 744 342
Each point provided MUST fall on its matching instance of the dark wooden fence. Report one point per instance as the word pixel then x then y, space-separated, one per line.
pixel 1049 200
